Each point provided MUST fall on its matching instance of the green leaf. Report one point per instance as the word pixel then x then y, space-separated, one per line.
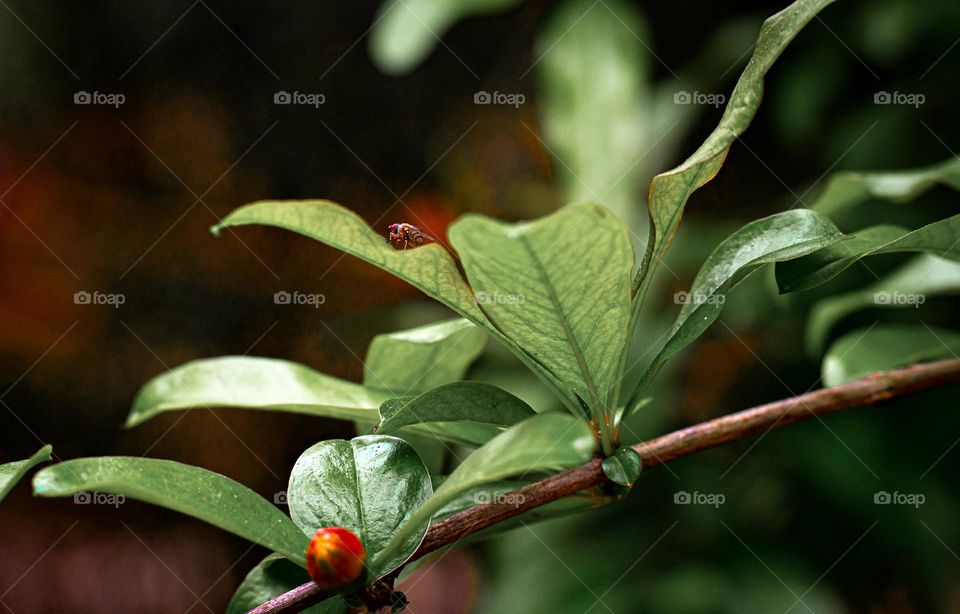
pixel 463 433
pixel 429 268
pixel 460 401
pixel 907 286
pixel 254 383
pixel 670 191
pixel 781 236
pixel 548 441
pixel 878 348
pixel 203 494
pixel 623 467
pixel 370 485
pixel 274 576
pixel 595 103
pixel 942 238
pixel 419 359
pixel 11 473
pixel 405 31
pixel 846 189
pixel 560 288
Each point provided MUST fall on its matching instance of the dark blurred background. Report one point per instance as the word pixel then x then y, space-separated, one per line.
pixel 119 200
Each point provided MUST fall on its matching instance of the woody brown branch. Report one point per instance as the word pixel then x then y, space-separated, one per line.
pixel 876 388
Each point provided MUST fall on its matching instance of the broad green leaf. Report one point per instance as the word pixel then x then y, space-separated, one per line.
pixel 463 433
pixel 203 494
pixel 419 359
pixel 559 287
pixel 941 238
pixel 255 383
pixel 274 576
pixel 544 442
pixel 846 189
pixel 370 485
pixel 781 236
pixel 405 31
pixel 623 467
pixel 670 191
pixel 13 472
pixel 825 264
pixel 429 268
pixel 595 103
pixel 460 401
pixel 862 352
pixel 907 286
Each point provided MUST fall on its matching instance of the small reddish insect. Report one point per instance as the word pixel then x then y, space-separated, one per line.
pixel 404 235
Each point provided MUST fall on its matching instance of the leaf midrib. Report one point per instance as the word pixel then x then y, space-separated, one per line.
pixel 561 316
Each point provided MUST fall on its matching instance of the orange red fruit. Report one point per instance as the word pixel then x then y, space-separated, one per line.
pixel 335 558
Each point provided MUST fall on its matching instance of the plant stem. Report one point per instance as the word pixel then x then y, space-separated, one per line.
pixel 875 388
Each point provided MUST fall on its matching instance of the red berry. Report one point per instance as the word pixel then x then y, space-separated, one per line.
pixel 335 558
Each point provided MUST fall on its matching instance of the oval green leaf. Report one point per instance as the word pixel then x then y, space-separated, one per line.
pixel 416 360
pixel 13 472
pixel 254 383
pixel 847 189
pixel 862 352
pixel 371 485
pixel 623 467
pixel 907 286
pixel 458 402
pixel 209 496
pixel 560 288
pixel 941 238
